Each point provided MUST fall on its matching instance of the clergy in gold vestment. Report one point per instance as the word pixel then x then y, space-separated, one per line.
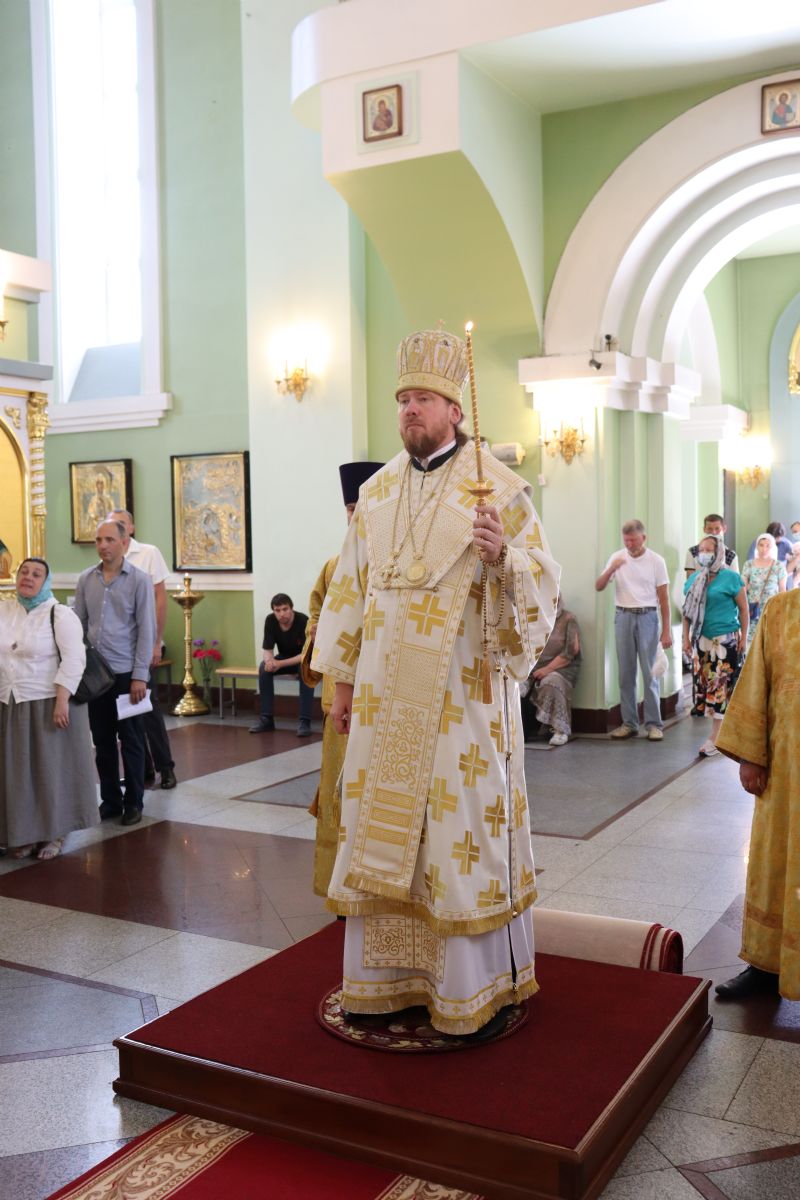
pixel 760 732
pixel 325 805
pixel 435 870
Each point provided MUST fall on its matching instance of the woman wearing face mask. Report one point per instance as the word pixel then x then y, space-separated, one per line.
pixel 764 576
pixel 47 780
pixel 715 620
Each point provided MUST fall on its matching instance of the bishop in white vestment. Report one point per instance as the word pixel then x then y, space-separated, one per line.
pixel 434 869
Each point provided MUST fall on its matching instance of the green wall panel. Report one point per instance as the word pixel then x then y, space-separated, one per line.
pixel 204 314
pixel 17 183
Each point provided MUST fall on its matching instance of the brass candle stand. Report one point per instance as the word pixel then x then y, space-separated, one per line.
pixel 190 704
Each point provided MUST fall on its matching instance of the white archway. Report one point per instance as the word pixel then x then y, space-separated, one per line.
pixel 673 213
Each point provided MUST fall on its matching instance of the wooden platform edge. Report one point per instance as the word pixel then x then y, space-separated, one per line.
pixel 497 1166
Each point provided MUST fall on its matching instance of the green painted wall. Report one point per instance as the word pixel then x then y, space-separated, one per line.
pixel 722 295
pixel 582 148
pixel 203 289
pixel 17 208
pixel 766 286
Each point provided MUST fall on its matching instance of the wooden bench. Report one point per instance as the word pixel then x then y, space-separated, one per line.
pixel 234 673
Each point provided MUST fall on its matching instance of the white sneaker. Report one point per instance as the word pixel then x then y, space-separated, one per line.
pixel 559 739
pixel 624 731
pixel 708 749
pixel 654 734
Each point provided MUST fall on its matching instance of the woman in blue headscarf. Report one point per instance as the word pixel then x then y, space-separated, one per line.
pixel 47 780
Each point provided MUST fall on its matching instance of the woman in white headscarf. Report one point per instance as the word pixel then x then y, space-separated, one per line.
pixel 764 576
pixel 715 620
pixel 47 779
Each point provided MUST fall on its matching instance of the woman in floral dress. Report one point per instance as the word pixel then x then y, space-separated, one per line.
pixel 764 577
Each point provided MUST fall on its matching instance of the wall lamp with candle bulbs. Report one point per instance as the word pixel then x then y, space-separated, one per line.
pixel 749 457
pixel 568 442
pixel 297 381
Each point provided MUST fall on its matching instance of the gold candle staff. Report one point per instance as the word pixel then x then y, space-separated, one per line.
pixel 482 493
pixel 190 704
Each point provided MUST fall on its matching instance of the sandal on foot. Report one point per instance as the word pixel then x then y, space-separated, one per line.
pixel 22 851
pixel 48 850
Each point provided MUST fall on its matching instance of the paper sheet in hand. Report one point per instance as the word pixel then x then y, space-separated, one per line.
pixel 125 709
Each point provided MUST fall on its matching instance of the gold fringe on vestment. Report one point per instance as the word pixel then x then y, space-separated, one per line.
pixel 427 999
pixel 458 927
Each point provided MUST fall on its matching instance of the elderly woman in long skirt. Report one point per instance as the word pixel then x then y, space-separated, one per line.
pixel 47 779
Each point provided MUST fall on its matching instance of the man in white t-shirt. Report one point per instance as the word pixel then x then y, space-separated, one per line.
pixel 148 558
pixel 642 594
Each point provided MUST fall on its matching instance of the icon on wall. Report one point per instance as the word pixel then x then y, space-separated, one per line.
pixel 780 106
pixel 382 113
pixel 96 489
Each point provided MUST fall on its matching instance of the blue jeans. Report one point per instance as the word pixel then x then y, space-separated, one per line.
pixel 266 690
pixel 637 639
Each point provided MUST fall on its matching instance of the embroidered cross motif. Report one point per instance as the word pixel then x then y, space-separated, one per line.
pixel 472 765
pixel 495 815
pixel 440 800
pixel 496 732
pixel 450 713
pixel 492 895
pixel 366 704
pixel 476 594
pixel 354 790
pixel 427 615
pixel 471 678
pixel 342 835
pixel 533 541
pixel 374 620
pixel 341 592
pixel 513 521
pixel 361 526
pixel 532 614
pixel 520 808
pixel 466 498
pixel 465 854
pixel 436 889
pixel 536 571
pixel 380 489
pixel 350 644
pixel 525 879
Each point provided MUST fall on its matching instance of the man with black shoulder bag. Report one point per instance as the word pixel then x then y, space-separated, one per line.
pixel 114 602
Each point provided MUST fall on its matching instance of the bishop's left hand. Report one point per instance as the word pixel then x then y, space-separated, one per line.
pixel 487 533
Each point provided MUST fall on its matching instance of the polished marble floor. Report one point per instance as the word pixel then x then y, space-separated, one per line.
pixel 128 923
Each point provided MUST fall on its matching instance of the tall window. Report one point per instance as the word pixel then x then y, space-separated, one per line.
pixel 97 197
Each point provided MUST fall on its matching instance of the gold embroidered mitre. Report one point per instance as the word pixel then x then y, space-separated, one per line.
pixel 434 360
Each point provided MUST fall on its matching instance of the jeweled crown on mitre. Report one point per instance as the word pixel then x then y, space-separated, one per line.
pixel 434 360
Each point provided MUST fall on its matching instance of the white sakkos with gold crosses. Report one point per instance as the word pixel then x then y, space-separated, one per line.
pixel 435 842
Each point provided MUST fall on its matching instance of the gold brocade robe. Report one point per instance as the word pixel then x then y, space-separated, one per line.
pixel 325 806
pixel 760 726
pixel 434 805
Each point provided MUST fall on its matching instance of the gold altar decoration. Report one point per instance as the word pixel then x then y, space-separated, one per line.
pixel 23 421
pixel 794 364
pixel 190 704
pixel 38 422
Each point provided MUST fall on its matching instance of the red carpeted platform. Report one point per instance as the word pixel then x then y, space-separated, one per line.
pixel 546 1113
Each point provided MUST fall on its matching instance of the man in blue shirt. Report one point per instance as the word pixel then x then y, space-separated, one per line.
pixel 114 602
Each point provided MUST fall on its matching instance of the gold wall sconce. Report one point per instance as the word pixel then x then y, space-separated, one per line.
pixel 754 476
pixel 568 442
pixel 750 457
pixel 297 381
